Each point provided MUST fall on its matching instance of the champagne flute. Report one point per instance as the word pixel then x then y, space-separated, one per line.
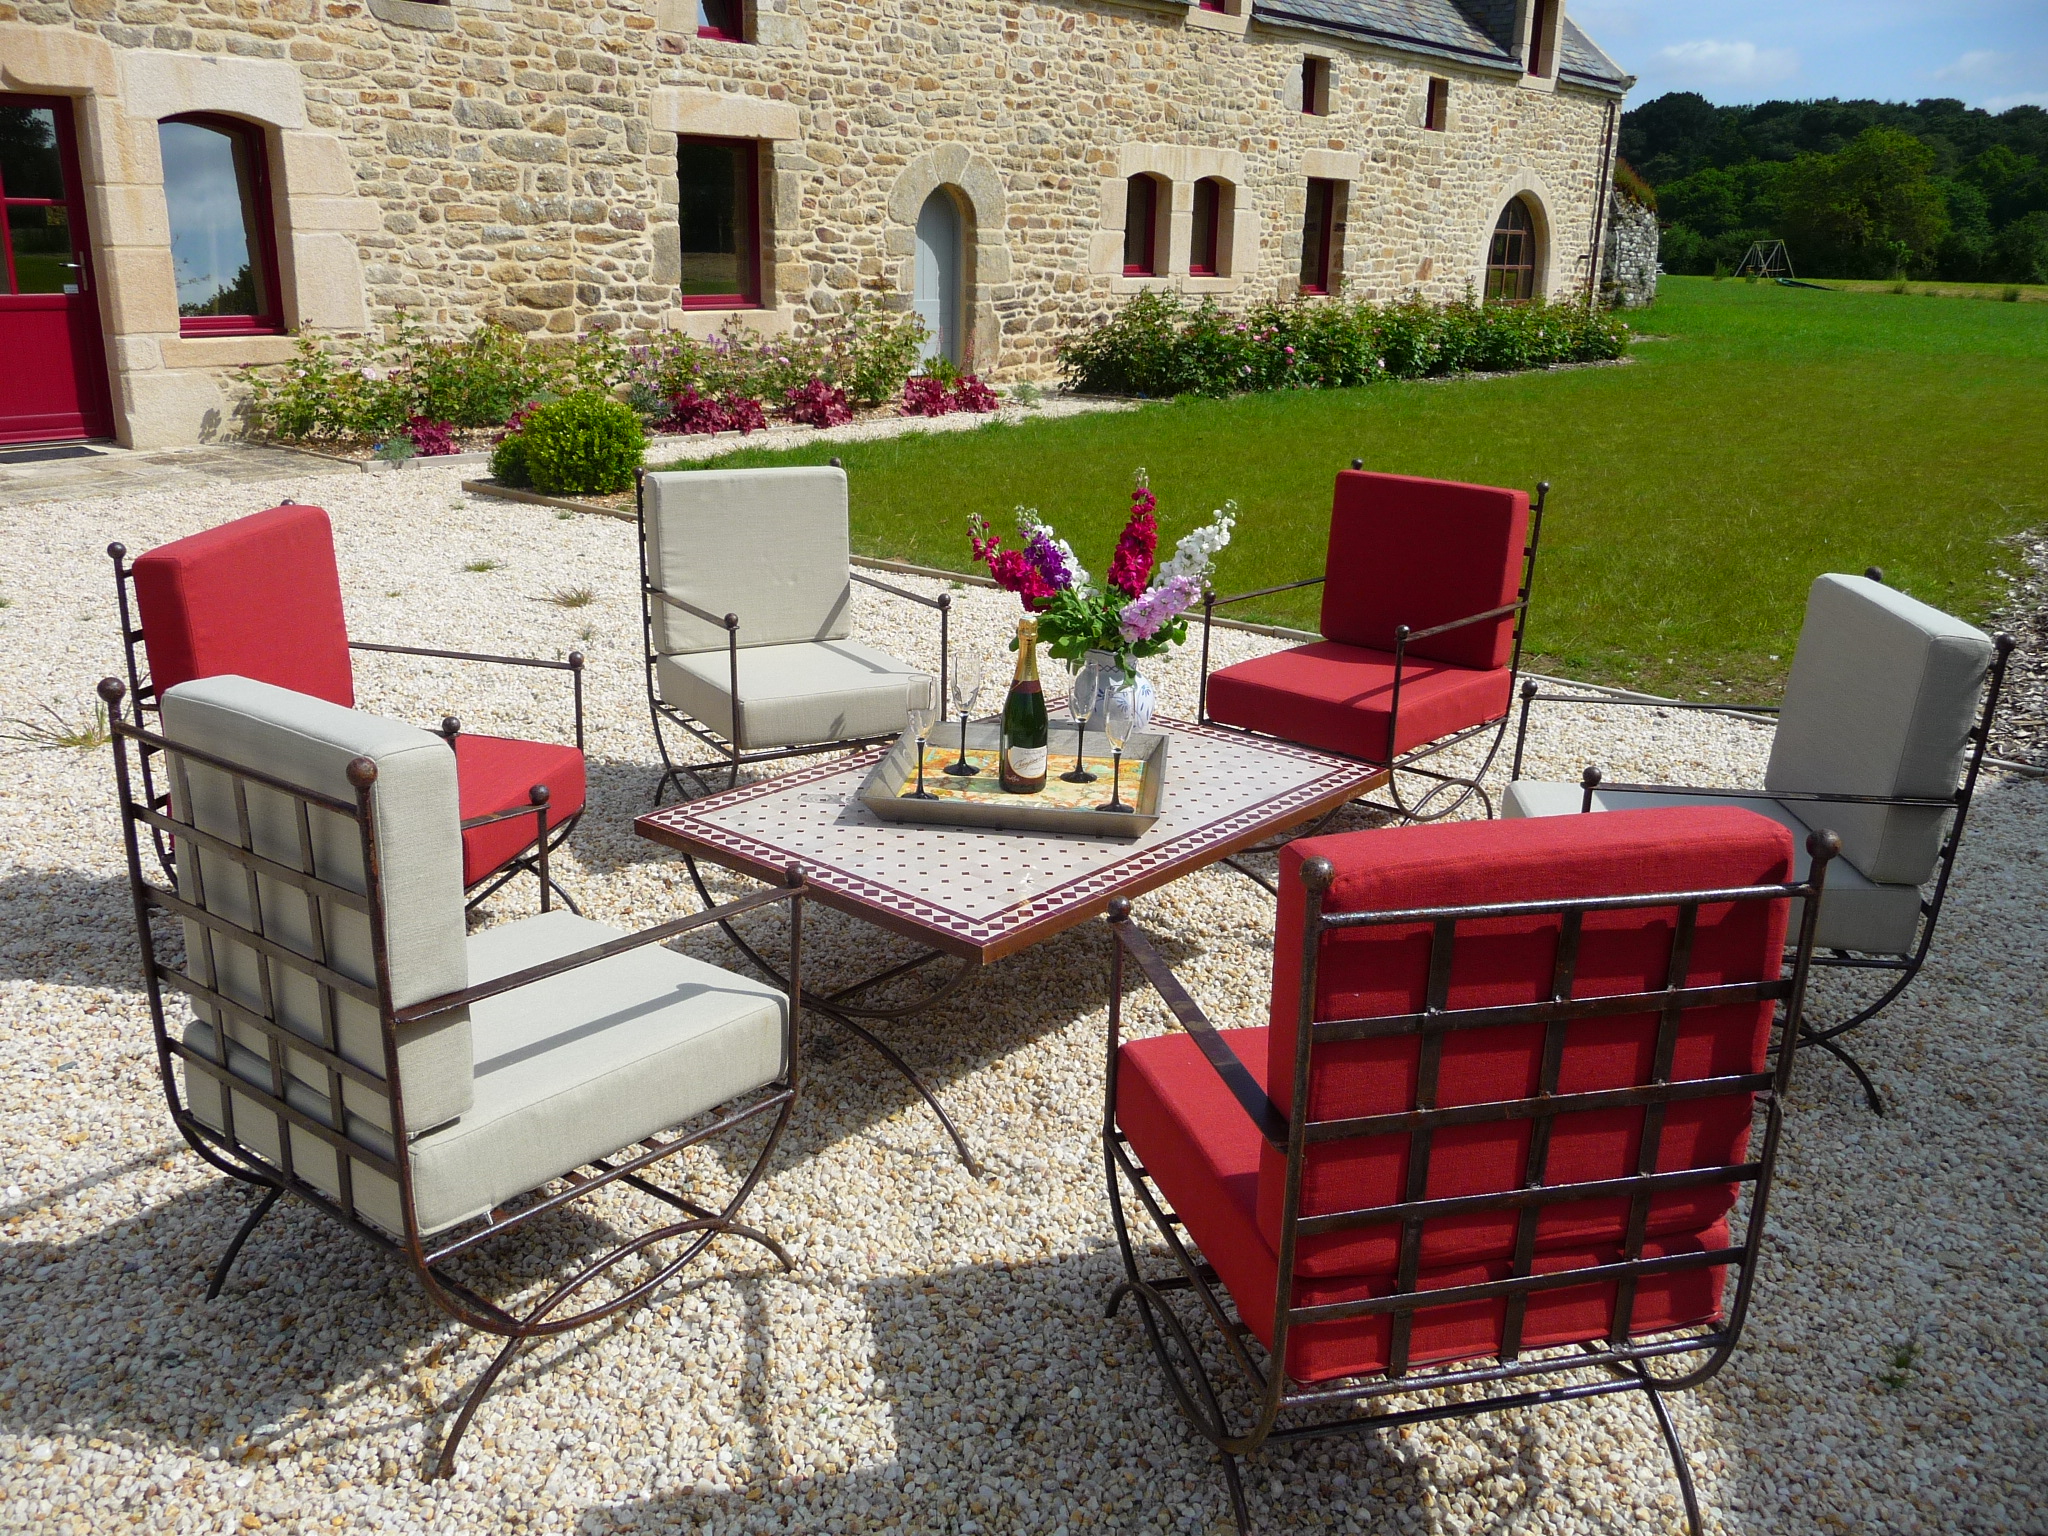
pixel 968 685
pixel 1087 689
pixel 1117 724
pixel 924 708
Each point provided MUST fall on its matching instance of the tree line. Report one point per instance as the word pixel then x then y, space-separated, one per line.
pixel 1929 189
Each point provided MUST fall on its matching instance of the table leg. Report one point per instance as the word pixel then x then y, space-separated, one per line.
pixel 834 1006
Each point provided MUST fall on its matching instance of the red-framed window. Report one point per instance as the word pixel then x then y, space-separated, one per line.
pixel 719 212
pixel 1315 86
pixel 223 233
pixel 722 19
pixel 1218 6
pixel 1141 227
pixel 1319 234
pixel 1436 112
pixel 1543 39
pixel 42 249
pixel 1206 249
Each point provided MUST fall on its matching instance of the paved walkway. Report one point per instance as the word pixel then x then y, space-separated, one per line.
pixel 114 471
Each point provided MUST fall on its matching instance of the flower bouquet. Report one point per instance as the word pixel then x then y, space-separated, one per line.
pixel 1140 610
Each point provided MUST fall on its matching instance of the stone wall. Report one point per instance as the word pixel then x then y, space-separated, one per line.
pixel 1629 273
pixel 513 160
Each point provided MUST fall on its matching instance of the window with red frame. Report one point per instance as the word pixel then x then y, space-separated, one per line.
pixel 1218 6
pixel 1436 113
pixel 1205 252
pixel 1319 230
pixel 1315 86
pixel 223 244
pixel 1543 39
pixel 723 19
pixel 1141 227
pixel 719 211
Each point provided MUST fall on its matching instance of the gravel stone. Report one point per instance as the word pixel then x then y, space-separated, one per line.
pixel 939 1360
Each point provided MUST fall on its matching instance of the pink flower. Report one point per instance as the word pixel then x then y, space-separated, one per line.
pixel 1143 617
pixel 1131 566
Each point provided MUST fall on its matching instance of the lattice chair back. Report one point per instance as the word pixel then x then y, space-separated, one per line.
pixel 1883 694
pixel 769 545
pixel 1414 552
pixel 1519 1095
pixel 323 887
pixel 259 597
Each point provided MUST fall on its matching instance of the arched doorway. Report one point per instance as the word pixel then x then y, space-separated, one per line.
pixel 1511 258
pixel 938 280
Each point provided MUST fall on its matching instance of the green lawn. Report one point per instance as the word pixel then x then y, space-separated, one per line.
pixel 1762 435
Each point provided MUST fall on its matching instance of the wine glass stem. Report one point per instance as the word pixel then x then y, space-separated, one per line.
pixel 1116 776
pixel 1080 743
pixel 963 741
pixel 920 767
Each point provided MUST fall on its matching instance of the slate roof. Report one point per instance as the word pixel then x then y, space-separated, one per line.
pixel 1471 31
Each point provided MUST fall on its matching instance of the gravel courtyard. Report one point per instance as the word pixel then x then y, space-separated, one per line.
pixel 939 1360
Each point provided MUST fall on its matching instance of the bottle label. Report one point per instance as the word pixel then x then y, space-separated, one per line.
pixel 1027 762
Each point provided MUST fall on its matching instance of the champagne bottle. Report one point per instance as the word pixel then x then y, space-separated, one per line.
pixel 1025 728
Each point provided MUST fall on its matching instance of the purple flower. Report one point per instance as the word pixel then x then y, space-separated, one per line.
pixel 1047 560
pixel 1143 617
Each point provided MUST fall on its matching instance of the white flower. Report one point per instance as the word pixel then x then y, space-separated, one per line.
pixel 1195 555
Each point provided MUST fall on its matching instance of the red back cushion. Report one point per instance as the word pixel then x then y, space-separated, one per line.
pixel 1368 972
pixel 259 597
pixel 1422 553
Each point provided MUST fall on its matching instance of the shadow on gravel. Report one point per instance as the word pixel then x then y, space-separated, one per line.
pixel 67 927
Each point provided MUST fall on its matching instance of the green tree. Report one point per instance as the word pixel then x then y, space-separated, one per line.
pixel 1871 211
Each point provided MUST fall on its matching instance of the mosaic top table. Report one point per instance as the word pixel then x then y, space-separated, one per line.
pixel 976 894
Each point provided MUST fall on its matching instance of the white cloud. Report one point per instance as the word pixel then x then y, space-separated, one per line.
pixel 1706 62
pixel 2024 99
pixel 1974 65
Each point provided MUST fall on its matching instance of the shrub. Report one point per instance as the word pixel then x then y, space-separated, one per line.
pixel 970 394
pixel 692 414
pixel 1630 184
pixel 817 404
pixel 476 382
pixel 585 444
pixel 431 439
pixel 323 396
pixel 745 414
pixel 926 395
pixel 1161 346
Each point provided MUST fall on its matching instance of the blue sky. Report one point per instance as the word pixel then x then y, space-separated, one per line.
pixel 1991 53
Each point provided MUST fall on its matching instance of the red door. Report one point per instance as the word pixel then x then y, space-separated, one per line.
pixel 53 368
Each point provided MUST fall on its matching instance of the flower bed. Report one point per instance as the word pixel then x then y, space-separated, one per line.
pixel 1161 345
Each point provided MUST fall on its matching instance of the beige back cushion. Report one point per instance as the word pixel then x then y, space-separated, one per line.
pixel 1882 696
pixel 770 545
pixel 309 742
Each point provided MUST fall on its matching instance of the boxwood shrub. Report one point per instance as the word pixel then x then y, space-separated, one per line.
pixel 584 444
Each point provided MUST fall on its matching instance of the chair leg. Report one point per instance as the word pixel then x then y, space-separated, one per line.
pixel 219 1277
pixel 444 1465
pixel 1678 1461
pixel 1183 1367
pixel 1840 1052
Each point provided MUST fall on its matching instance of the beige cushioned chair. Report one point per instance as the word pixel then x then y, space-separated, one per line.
pixel 402 1074
pixel 1880 734
pixel 748 593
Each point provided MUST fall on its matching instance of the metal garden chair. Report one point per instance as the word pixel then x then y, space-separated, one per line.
pixel 1494 1138
pixel 260 597
pixel 1885 722
pixel 352 1048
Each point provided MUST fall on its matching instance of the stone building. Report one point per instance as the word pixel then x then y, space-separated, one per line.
pixel 1629 269
pixel 189 181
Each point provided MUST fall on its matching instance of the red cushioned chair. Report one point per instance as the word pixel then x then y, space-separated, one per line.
pixel 1425 592
pixel 261 597
pixel 1496 1129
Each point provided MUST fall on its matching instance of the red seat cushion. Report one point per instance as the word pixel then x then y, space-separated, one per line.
pixel 1375 971
pixel 1422 553
pixel 1339 698
pixel 496 773
pixel 259 597
pixel 1203 1153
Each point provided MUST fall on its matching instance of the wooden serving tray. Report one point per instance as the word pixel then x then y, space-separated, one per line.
pixel 981 801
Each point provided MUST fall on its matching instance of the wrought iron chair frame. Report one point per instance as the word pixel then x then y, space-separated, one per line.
pixel 1628 1360
pixel 1905 966
pixel 1397 763
pixel 142 702
pixel 425 1255
pixel 731 758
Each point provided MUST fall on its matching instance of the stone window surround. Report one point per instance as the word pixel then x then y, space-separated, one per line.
pixel 429 15
pixel 700 112
pixel 1181 166
pixel 164 387
pixel 977 186
pixel 1525 20
pixel 1530 189
pixel 1233 20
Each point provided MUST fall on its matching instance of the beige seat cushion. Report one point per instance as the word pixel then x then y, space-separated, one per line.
pixel 589 1062
pixel 1856 913
pixel 794 695
pixel 1881 699
pixel 769 545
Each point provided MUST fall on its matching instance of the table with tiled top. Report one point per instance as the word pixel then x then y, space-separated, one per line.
pixel 979 894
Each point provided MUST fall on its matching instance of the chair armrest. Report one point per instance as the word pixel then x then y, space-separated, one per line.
pixel 1803 796
pixel 943 601
pixel 1406 634
pixel 1210 600
pixel 729 621
pixel 1237 1077
pixel 1532 694
pixel 573 665
pixel 449 1002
